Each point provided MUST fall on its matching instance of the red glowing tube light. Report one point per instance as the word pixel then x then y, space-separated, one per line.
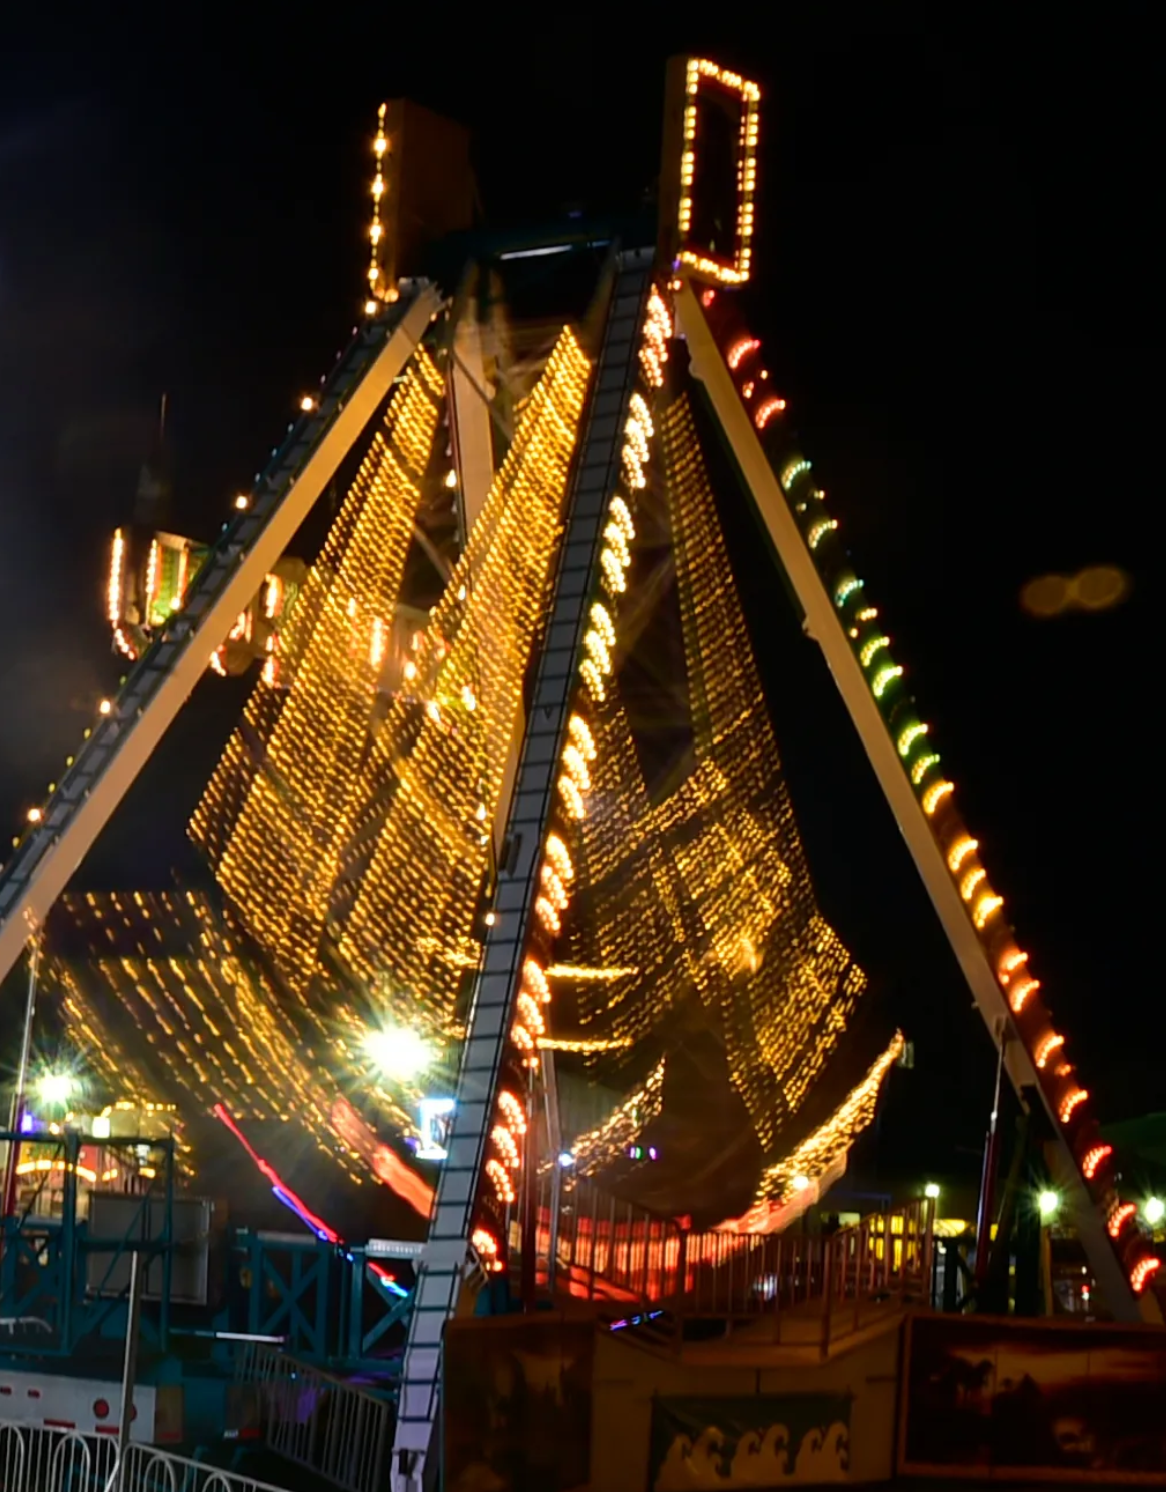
pixel 767 411
pixel 1093 1160
pixel 1119 1217
pixel 289 1198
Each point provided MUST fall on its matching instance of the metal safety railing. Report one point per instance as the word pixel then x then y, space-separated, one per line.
pixel 332 1429
pixel 148 1469
pixel 38 1458
pixel 603 1247
pixel 42 1458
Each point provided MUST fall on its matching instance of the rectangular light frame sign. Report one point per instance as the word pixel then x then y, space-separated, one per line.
pixel 696 86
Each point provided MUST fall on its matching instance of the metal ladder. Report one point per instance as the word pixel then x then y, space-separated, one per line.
pixel 121 742
pixel 444 1260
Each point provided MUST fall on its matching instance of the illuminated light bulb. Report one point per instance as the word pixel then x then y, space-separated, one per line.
pixel 410 671
pixel 480 813
pixel 572 797
pixel 959 852
pixel 1093 1160
pixel 920 769
pixel 396 1052
pixel 792 472
pixel 461 593
pixel 547 914
pixel 469 698
pixel 935 795
pixel 597 646
pixel 575 764
pixel 1018 995
pixel 985 907
pixel 242 502
pixel 555 889
pixel 601 618
pixel 581 735
pixel 497 1173
pixel 884 678
pixel 613 576
pixel 868 613
pixel 866 653
pixel 1154 1210
pixel 506 1144
pixel 55 1088
pixel 1072 1103
pixel 1048 1203
pixel 818 531
pixel 799 1183
pixel 1010 962
pixel 911 734
pixel 35 815
pixel 433 710
pixel 376 647
pixel 847 589
pixel 371 307
pixel 307 404
pixel 621 517
pixel 766 412
pixel 513 1111
pixel 490 919
pixel 559 857
pixel 1141 1272
pixel 971 881
pixel 1119 1217
pixel 593 679
pixel 533 975
pixel 105 707
pixel 1047 1047
pixel 740 350
pixel 747 389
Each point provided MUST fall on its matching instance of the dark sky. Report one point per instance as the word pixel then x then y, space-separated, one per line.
pixel 958 291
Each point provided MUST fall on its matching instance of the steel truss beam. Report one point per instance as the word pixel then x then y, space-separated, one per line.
pixel 491 1015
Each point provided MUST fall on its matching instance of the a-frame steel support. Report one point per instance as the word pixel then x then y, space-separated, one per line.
pixel 231 576
pixel 822 623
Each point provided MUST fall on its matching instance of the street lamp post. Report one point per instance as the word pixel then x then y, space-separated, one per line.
pixel 9 1206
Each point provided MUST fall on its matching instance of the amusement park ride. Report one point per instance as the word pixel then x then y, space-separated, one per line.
pixel 460 888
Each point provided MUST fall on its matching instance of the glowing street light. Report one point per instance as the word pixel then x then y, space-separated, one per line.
pixel 55 1088
pixel 931 1191
pixel 397 1053
pixel 1048 1202
pixel 1154 1210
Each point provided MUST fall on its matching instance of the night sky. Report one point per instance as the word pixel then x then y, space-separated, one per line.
pixel 956 296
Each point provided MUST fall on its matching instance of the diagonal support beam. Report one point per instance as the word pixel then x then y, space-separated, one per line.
pixel 232 574
pixel 491 1014
pixel 822 623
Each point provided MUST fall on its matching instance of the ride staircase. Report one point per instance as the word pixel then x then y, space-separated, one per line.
pixel 675 1289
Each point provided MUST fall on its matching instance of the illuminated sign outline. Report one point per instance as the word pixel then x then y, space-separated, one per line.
pixel 722 271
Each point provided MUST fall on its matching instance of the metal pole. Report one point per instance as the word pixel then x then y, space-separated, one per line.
pixel 528 1205
pixel 129 1365
pixel 556 1203
pixel 988 1178
pixel 21 1083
